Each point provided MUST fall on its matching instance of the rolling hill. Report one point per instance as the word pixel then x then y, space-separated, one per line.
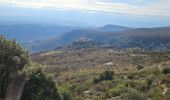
pixel 40 38
pixel 112 28
pixel 151 38
pixel 156 38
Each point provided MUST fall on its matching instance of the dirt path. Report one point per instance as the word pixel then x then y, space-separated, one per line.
pixel 15 88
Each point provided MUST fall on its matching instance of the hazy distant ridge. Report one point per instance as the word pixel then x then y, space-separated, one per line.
pixel 50 37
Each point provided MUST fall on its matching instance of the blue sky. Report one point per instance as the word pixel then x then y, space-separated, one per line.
pixel 134 13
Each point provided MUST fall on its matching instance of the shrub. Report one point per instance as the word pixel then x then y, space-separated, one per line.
pixel 116 91
pixel 142 85
pixel 139 67
pixel 149 82
pixel 11 54
pixel 40 86
pixel 96 80
pixel 78 98
pixel 166 70
pixel 78 88
pixel 104 86
pixel 107 75
pixel 4 80
pixel 12 58
pixel 130 76
pixel 130 83
pixel 67 95
pixel 167 96
pixel 155 94
pixel 132 94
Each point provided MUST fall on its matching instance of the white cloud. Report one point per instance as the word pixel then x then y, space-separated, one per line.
pixel 154 8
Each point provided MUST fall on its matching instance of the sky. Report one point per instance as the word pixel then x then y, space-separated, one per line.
pixel 132 13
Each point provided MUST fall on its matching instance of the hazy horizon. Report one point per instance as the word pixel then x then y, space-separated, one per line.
pixel 130 13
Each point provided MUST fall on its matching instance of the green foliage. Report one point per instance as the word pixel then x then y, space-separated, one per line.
pixel 78 88
pixel 149 82
pixel 40 86
pixel 12 58
pixel 96 80
pixel 141 85
pixel 67 95
pixel 116 91
pixel 78 98
pixel 104 86
pixel 107 75
pixel 139 67
pixel 130 83
pixel 167 96
pixel 155 94
pixel 11 53
pixel 4 80
pixel 130 76
pixel 132 94
pixel 166 70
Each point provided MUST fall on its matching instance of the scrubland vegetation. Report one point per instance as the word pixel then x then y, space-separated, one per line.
pixel 86 74
pixel 109 74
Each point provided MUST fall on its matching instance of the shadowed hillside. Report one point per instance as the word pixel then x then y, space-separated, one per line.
pixel 155 38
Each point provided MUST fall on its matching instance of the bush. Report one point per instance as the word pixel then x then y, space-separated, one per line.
pixel 67 95
pixel 155 93
pixel 166 70
pixel 12 55
pixel 40 86
pixel 142 85
pixel 78 88
pixel 116 91
pixel 167 96
pixel 104 86
pixel 132 94
pixel 130 76
pixel 139 67
pixel 149 82
pixel 12 58
pixel 4 80
pixel 107 75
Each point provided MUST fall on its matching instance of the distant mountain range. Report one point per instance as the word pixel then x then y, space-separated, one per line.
pixel 112 28
pixel 155 38
pixel 29 32
pixel 97 35
pixel 51 37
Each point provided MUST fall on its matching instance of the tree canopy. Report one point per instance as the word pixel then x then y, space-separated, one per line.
pixel 14 59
